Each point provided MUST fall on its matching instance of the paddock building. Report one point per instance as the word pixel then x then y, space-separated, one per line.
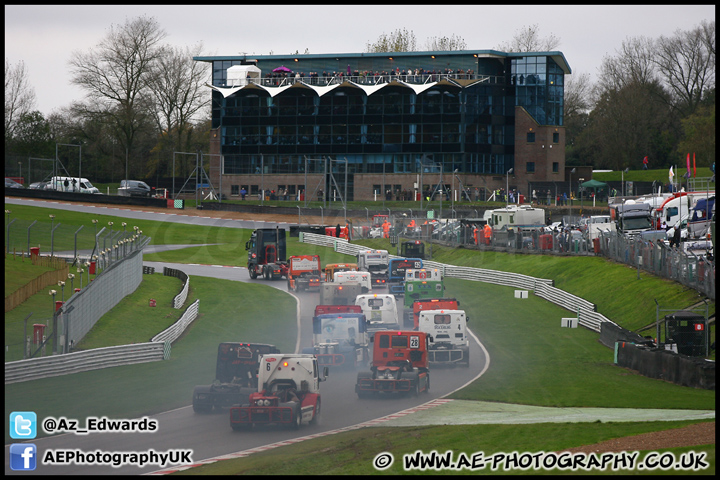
pixel 361 125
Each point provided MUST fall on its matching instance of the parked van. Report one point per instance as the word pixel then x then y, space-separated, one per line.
pixel 134 188
pixel 72 184
pixel 523 217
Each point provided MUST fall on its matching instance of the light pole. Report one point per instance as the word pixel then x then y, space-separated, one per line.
pixel 507 188
pixel 53 293
pixel 622 190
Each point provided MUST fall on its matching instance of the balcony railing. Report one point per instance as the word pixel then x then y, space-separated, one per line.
pixel 368 80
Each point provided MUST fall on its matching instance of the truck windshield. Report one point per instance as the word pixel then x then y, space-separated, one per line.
pixel 637 223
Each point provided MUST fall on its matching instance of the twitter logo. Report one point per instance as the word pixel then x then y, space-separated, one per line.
pixel 23 425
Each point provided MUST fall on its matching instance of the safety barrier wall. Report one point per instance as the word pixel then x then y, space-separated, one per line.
pixel 157 349
pixel 667 365
pixel 179 300
pixel 173 332
pixel 56 365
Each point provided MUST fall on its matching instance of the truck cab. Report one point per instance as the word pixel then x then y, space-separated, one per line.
pixel 429 304
pixel 288 393
pixel 447 329
pixel 380 310
pixel 332 268
pixel 377 263
pixel 396 276
pixel 304 273
pixel 633 218
pixel 332 293
pixel 267 254
pixel 399 365
pixel 235 376
pixel 362 278
pixel 340 338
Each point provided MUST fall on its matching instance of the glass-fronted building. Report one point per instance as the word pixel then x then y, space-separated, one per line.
pixel 382 120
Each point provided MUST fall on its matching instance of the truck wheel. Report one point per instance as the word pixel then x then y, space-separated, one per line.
pixel 252 272
pixel 316 418
pixel 297 420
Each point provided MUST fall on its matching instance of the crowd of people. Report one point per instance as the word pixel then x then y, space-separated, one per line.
pixel 365 76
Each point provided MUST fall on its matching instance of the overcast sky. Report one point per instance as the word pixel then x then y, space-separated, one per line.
pixel 44 36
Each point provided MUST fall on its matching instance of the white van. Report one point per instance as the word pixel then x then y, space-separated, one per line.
pixel 72 184
pixel 363 278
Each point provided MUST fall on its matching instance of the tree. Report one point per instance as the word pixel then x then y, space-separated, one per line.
pixel 577 106
pixel 528 39
pixel 632 64
pixel 19 96
pixel 686 61
pixel 32 136
pixel 178 84
pixel 116 76
pixel 699 135
pixel 398 41
pixel 445 44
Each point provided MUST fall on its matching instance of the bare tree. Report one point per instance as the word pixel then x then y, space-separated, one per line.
pixel 633 64
pixel 178 84
pixel 19 96
pixel 528 39
pixel 116 75
pixel 686 61
pixel 398 41
pixel 445 43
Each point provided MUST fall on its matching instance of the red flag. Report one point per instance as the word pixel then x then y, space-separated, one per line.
pixel 694 170
pixel 688 165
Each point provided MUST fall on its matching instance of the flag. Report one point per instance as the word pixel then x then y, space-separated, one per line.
pixel 671 175
pixel 694 169
pixel 688 165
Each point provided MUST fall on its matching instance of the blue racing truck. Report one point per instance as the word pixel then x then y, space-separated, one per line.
pixel 396 277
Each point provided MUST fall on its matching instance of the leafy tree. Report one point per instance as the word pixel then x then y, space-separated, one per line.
pixel 32 136
pixel 699 135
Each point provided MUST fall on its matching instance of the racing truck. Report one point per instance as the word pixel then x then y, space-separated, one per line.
pixel 448 336
pixel 380 309
pixel 288 393
pixel 304 273
pixel 399 364
pixel 339 336
pixel 396 277
pixel 332 293
pixel 423 283
pixel 362 278
pixel 266 254
pixel 413 248
pixel 411 319
pixel 235 376
pixel 376 262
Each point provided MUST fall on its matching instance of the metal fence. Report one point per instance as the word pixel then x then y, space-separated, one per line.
pixel 656 257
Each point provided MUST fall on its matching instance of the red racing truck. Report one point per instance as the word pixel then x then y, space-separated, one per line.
pixel 304 273
pixel 399 365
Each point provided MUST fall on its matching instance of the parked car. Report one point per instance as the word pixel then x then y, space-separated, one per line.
pixel 134 188
pixel 39 186
pixel 10 183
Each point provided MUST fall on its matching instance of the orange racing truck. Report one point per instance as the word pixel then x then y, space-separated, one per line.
pixel 400 364
pixel 304 273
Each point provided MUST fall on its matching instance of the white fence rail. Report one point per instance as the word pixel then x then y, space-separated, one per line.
pixel 157 349
pixel 173 332
pixel 586 311
pixel 56 365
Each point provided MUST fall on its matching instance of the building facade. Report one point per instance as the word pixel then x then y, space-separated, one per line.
pixel 358 126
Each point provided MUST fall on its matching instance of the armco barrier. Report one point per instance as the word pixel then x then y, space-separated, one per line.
pixel 173 332
pixel 56 365
pixel 180 298
pixel 668 366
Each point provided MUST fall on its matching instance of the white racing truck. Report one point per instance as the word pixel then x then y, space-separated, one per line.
pixel 363 278
pixel 288 393
pixel 377 263
pixel 380 309
pixel 447 330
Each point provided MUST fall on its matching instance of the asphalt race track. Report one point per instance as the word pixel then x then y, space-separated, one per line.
pixel 210 435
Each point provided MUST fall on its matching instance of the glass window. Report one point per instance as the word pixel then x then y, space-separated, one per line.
pixel 556 137
pixel 555 167
pixel 531 137
pixel 530 167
